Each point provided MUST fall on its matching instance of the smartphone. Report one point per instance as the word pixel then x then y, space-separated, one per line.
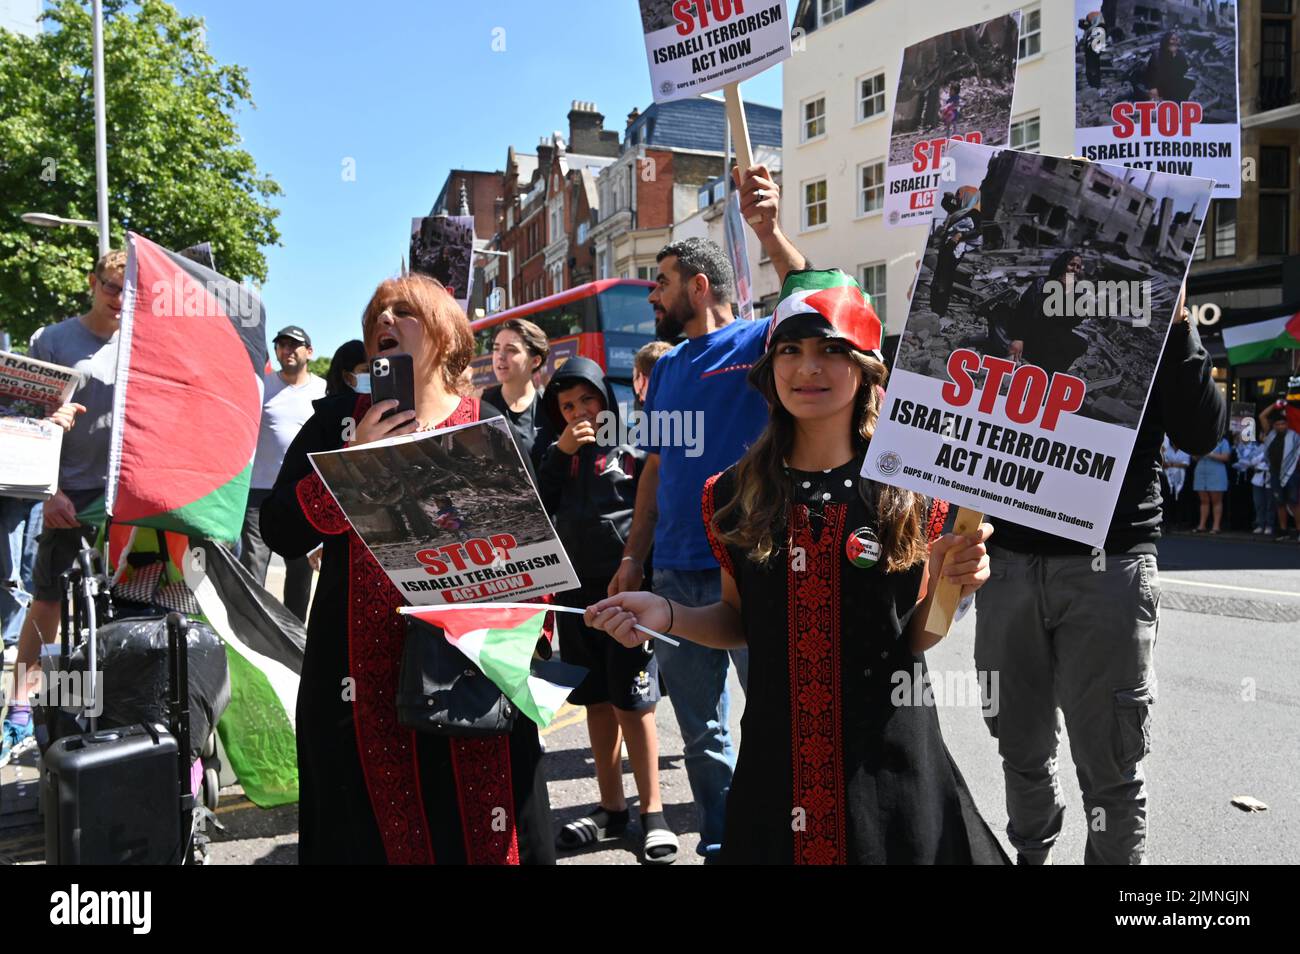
pixel 393 377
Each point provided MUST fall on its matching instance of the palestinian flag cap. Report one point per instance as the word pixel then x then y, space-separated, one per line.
pixel 825 303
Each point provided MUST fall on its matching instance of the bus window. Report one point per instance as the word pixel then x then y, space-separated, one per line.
pixel 625 309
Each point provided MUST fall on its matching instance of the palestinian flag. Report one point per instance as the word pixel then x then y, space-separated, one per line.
pixel 264 650
pixel 1258 340
pixel 188 396
pixel 500 641
pixel 838 306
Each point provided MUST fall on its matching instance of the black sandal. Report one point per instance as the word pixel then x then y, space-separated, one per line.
pixel 600 825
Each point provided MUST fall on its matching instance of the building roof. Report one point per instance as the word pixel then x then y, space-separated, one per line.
pixel 701 124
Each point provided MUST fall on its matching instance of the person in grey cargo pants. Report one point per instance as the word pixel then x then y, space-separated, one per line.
pixel 1073 629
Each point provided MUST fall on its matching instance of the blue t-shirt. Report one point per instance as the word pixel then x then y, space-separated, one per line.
pixel 712 416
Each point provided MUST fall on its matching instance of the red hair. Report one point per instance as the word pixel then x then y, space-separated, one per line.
pixel 444 323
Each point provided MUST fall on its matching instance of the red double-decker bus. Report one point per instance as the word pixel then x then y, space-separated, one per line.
pixel 607 320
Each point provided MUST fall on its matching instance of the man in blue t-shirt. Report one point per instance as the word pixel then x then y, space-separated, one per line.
pixel 701 415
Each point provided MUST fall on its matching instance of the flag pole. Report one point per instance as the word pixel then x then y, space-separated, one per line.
pixel 947 594
pixel 409 610
pixel 738 126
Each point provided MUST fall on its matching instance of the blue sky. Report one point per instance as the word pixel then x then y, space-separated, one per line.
pixel 409 90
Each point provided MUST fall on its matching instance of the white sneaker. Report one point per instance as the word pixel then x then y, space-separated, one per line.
pixel 11 654
pixel 1258 530
pixel 1268 531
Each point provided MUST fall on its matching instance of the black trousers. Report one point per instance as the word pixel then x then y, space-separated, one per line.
pixel 255 555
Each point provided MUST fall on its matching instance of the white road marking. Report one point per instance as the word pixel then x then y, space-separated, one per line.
pixel 1164 578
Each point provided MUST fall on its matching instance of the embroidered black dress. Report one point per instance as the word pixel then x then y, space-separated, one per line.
pixel 370 790
pixel 830 769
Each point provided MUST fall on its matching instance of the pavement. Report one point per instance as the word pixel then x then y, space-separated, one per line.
pixel 1226 724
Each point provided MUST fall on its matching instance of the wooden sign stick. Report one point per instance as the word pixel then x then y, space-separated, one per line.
pixel 946 593
pixel 739 133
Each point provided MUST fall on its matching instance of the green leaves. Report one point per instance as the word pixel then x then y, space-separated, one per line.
pixel 176 172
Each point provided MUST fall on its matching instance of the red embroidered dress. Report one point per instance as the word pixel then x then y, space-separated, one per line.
pixel 831 770
pixel 371 791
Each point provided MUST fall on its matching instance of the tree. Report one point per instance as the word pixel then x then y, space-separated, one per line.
pixel 319 366
pixel 176 173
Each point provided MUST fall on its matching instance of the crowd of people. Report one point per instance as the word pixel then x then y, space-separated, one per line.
pixel 761 549
pixel 1249 481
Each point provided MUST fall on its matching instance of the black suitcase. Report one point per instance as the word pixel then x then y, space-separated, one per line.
pixel 122 796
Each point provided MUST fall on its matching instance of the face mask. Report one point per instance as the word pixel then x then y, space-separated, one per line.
pixel 362 385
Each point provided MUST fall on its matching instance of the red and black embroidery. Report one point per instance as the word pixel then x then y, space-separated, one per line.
pixel 386 750
pixel 815 691
pixel 708 508
pixel 487 800
pixel 938 517
pixel 319 506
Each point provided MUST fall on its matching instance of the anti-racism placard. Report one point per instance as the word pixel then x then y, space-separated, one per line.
pixel 699 46
pixel 1034 335
pixel 451 515
pixel 442 247
pixel 1160 95
pixel 957 85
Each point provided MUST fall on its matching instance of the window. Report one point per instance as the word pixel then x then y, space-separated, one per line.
pixel 871 96
pixel 703 199
pixel 1274 224
pixel 1274 200
pixel 1274 167
pixel 583 228
pixel 1031 33
pixel 814 119
pixel 1198 253
pixel 1225 228
pixel 647 272
pixel 814 203
pixel 557 224
pixel 829 11
pixel 602 264
pixel 871 186
pixel 872 279
pixel 1024 134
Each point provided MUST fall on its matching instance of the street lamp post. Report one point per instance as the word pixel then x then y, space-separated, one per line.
pixel 101 141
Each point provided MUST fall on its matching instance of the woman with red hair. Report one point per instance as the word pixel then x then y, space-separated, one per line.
pixel 372 791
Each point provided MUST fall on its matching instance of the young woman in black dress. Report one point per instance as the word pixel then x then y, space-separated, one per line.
pixel 826 581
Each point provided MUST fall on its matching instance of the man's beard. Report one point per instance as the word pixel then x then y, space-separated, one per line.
pixel 670 326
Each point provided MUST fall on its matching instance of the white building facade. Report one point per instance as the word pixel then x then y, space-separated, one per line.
pixel 838 101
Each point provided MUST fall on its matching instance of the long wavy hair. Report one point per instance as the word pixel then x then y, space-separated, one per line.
pixel 758 509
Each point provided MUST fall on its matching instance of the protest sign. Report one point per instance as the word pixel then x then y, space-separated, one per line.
pixel 450 515
pixel 702 46
pixel 30 391
pixel 1034 335
pixel 1157 98
pixel 442 247
pixel 738 252
pixel 957 86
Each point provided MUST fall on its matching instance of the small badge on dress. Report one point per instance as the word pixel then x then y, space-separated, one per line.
pixel 862 548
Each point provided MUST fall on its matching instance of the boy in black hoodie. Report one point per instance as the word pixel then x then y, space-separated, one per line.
pixel 587 481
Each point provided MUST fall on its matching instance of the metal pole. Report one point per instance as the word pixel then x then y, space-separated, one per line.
pixel 101 141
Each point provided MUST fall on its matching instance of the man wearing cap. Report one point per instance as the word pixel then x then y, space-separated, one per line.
pixel 287 397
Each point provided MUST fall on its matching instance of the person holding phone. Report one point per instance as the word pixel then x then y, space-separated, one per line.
pixel 371 791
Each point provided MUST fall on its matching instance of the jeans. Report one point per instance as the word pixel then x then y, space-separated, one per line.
pixel 1265 510
pixel 255 555
pixel 696 677
pixel 1072 633
pixel 20 525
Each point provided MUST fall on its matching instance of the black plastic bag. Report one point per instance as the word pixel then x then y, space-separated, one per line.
pixel 134 673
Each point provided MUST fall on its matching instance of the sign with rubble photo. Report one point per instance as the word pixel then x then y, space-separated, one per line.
pixel 451 515
pixel 442 247
pixel 701 46
pixel 1034 335
pixel 954 86
pixel 1156 87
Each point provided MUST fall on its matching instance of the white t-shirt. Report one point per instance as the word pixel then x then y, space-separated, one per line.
pixel 285 410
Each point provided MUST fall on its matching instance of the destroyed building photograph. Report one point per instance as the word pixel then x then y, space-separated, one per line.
pixel 959 83
pixel 1202 71
pixel 1132 230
